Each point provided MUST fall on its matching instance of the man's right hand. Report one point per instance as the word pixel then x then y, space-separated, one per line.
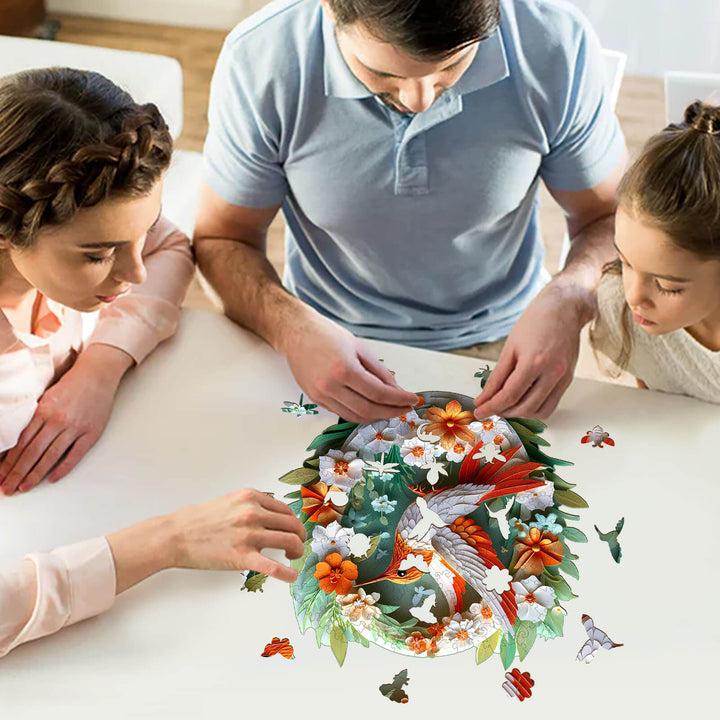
pixel 340 372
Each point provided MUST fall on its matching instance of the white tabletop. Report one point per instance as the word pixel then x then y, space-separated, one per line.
pixel 202 417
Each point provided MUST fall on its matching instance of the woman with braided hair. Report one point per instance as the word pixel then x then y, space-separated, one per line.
pixel 81 170
pixel 659 303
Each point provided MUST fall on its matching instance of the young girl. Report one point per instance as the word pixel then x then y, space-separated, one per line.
pixel 81 169
pixel 659 303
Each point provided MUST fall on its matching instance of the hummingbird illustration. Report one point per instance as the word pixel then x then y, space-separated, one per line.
pixel 456 550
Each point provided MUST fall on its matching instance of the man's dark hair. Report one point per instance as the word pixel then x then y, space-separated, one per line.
pixel 422 28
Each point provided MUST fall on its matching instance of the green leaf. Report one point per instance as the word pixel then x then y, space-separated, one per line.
pixel 255 582
pixel 338 644
pixel 565 515
pixel 327 439
pixel 525 635
pixel 558 584
pixel 569 568
pixel 555 620
pixel 527 435
pixel 387 609
pixel 507 651
pixel 569 499
pixel 383 520
pixel 294 495
pixel 531 424
pixel 557 481
pixel 312 463
pixel 301 476
pixel 486 648
pixel 322 624
pixel 347 427
pixel 539 456
pixel 575 535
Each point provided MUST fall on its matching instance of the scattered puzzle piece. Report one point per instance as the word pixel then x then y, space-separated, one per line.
pixel 597 436
pixel 394 690
pixel 518 684
pixel 298 408
pixel 279 647
pixel 596 639
pixel 611 538
pixel 254 581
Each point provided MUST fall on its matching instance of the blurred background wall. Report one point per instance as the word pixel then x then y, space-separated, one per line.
pixel 657 35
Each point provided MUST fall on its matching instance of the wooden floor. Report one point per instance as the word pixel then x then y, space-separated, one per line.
pixel 640 109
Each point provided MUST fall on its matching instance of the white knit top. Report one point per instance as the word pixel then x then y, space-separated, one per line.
pixel 674 362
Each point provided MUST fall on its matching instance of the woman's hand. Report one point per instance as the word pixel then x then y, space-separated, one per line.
pixel 69 419
pixel 227 533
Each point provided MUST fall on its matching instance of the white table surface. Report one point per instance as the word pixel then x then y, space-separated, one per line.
pixel 202 417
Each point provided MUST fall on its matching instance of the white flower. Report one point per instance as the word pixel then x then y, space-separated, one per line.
pixel 462 632
pixel 376 438
pixel 333 538
pixel 538 498
pixel 383 505
pixel 359 608
pixel 341 469
pixel 416 452
pixel 533 599
pixel 497 579
pixel 492 429
pixel 405 425
pixel 482 612
pixel 458 451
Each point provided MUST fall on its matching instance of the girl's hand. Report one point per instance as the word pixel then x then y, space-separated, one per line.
pixel 227 533
pixel 69 419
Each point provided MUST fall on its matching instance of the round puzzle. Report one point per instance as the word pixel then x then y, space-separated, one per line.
pixel 433 533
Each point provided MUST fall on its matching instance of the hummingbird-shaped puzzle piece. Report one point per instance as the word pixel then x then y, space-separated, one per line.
pixel 611 538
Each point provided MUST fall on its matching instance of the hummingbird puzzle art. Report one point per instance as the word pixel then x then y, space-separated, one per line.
pixel 434 533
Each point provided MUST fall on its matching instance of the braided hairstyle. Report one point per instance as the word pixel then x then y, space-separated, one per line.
pixel 675 186
pixel 68 140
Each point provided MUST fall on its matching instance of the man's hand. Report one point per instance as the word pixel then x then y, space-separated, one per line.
pixel 538 360
pixel 69 419
pixel 339 372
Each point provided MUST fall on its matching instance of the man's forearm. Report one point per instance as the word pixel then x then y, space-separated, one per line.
pixel 590 249
pixel 249 287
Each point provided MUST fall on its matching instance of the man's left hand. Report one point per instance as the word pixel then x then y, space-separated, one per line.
pixel 538 360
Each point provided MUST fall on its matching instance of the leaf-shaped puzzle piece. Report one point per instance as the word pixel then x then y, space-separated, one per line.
pixel 255 581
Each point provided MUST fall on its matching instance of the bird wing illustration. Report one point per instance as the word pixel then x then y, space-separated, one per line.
pixel 471 563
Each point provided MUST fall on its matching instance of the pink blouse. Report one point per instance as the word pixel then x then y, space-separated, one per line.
pixel 47 591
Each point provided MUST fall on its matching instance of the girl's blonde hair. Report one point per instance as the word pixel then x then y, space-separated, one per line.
pixel 70 139
pixel 675 186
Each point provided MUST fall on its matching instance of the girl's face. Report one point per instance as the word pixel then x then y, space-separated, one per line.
pixel 94 258
pixel 666 287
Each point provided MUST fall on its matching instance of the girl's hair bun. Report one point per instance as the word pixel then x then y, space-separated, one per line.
pixel 703 117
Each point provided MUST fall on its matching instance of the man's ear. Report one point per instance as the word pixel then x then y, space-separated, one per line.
pixel 328 9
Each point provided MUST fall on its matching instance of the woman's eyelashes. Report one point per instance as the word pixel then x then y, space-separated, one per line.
pixel 100 258
pixel 666 291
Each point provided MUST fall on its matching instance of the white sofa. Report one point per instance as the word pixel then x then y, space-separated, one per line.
pixel 148 78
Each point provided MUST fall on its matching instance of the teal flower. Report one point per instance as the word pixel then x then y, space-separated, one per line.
pixel 548 523
pixel 383 505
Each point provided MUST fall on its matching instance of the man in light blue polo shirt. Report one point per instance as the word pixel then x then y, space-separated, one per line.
pixel 405 143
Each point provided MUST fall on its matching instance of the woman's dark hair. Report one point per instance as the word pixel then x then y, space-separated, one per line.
pixel 675 186
pixel 428 29
pixel 68 140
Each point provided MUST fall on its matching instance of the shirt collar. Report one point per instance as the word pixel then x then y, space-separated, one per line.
pixel 49 318
pixel 489 66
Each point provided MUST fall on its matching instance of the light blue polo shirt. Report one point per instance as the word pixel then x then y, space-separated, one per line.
pixel 420 229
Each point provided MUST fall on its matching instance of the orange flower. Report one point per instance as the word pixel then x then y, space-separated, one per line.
pixel 315 506
pixel 417 643
pixel 536 551
pixel 336 574
pixel 436 630
pixel 450 424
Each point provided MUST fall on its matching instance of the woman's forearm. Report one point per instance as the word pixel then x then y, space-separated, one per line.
pixel 142 550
